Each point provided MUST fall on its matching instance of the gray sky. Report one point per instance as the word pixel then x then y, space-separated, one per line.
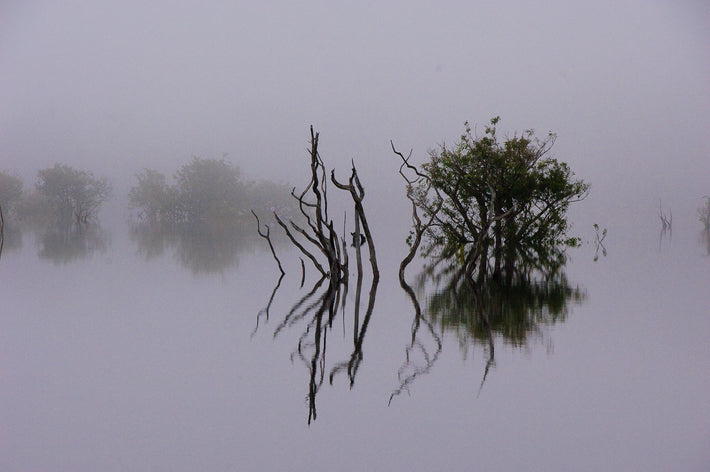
pixel 113 87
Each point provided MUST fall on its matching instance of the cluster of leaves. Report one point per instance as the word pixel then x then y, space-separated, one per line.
pixel 498 208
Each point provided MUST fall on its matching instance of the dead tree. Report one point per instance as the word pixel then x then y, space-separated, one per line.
pixel 317 239
pixel 358 194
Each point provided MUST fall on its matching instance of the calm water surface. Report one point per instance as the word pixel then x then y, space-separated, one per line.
pixel 138 351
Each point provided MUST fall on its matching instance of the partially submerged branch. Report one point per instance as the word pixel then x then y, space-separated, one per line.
pixel 299 245
pixel 358 194
pixel 418 228
pixel 267 236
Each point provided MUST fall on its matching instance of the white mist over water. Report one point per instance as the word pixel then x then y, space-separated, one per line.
pixel 114 362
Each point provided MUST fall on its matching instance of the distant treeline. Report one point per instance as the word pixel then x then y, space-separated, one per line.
pixel 203 190
pixel 61 194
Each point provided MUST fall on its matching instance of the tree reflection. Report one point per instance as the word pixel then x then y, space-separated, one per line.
pixel 705 239
pixel 10 238
pixel 314 315
pixel 512 312
pixel 65 242
pixel 199 247
pixel 424 348
pixel 515 312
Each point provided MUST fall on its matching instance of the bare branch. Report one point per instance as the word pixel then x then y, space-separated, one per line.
pixel 268 239
pixel 299 246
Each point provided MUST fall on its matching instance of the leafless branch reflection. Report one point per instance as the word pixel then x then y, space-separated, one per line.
pixel 418 357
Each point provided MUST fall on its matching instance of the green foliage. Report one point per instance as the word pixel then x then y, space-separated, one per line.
pixel 515 312
pixel 503 204
pixel 73 194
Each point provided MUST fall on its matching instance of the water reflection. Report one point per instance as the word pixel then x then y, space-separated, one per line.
pixel 11 238
pixel 705 239
pixel 66 242
pixel 424 348
pixel 200 247
pixel 512 312
pixel 481 315
pixel 313 315
pixel 60 240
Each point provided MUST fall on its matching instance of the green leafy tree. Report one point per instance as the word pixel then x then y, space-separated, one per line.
pixel 75 195
pixel 497 208
pixel 66 243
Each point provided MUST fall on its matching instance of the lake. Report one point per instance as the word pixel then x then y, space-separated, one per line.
pixel 127 350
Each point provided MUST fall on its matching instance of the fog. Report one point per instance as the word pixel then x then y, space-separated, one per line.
pixel 113 87
pixel 112 353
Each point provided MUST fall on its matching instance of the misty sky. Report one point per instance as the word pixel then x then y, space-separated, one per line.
pixel 115 86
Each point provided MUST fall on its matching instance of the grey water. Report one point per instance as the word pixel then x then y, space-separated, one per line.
pixel 121 350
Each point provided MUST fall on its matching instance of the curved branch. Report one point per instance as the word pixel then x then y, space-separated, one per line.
pixel 299 246
pixel 267 236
